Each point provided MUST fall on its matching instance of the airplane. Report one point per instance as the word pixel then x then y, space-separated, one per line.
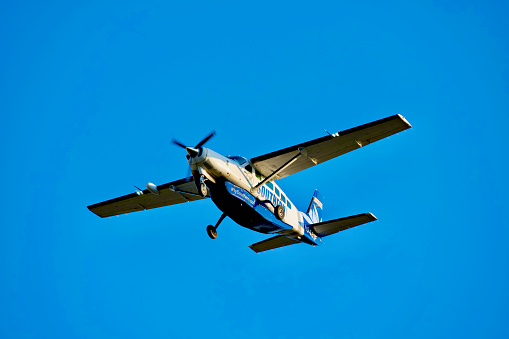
pixel 246 191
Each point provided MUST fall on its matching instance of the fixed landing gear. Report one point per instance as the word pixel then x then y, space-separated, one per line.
pixel 203 189
pixel 203 186
pixel 279 212
pixel 212 230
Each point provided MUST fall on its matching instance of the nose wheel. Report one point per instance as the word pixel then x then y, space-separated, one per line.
pixel 212 230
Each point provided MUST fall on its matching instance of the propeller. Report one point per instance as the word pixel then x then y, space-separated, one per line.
pixel 178 143
pixel 207 138
pixel 193 151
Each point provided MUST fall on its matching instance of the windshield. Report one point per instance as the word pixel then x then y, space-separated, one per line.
pixel 239 160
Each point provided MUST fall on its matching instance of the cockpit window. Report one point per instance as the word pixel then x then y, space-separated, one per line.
pixel 238 160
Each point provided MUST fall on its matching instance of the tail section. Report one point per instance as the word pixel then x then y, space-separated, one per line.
pixel 315 209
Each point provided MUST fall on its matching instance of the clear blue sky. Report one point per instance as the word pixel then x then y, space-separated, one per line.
pixel 91 94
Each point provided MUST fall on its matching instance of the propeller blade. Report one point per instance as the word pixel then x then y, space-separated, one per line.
pixel 178 143
pixel 207 138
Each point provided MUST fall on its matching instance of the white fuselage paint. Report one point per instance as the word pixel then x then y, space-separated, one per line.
pixel 215 166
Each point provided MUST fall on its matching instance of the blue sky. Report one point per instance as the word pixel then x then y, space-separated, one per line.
pixel 91 94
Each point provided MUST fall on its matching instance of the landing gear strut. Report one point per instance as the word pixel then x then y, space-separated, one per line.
pixel 212 230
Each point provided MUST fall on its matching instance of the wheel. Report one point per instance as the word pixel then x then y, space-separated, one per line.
pixel 280 212
pixel 211 231
pixel 203 189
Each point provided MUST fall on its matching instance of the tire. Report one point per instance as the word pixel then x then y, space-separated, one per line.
pixel 211 231
pixel 203 190
pixel 279 212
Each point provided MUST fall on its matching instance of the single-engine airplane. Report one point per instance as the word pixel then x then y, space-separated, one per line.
pixel 245 190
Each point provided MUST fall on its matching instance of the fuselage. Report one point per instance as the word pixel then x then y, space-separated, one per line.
pixel 231 181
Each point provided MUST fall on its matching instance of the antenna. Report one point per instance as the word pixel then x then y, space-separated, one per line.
pixel 139 191
pixel 332 135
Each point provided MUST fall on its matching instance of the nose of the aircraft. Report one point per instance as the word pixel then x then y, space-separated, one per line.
pixel 193 152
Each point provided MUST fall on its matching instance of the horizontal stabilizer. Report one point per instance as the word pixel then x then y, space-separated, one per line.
pixel 333 226
pixel 271 243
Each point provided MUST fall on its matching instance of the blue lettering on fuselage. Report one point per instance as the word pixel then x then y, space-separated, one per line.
pixel 241 194
pixel 266 194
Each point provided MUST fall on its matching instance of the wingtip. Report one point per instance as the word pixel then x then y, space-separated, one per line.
pixel 405 120
pixel 371 216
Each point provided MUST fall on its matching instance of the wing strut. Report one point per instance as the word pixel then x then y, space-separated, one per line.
pixel 175 189
pixel 302 152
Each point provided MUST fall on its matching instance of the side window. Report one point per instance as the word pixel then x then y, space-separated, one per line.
pixel 276 191
pixel 283 199
pixel 258 175
pixel 269 185
pixel 288 204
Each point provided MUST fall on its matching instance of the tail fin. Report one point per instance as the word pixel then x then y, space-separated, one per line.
pixel 315 209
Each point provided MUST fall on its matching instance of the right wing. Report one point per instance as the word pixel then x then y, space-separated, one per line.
pixel 172 193
pixel 271 243
pixel 333 226
pixel 328 147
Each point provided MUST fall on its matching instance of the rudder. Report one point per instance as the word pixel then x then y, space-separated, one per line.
pixel 315 209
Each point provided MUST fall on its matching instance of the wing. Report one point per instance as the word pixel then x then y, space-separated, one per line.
pixel 271 243
pixel 172 193
pixel 328 147
pixel 326 228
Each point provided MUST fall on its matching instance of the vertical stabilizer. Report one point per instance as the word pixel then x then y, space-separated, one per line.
pixel 315 209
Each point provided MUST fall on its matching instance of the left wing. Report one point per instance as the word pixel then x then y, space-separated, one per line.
pixel 172 193
pixel 328 147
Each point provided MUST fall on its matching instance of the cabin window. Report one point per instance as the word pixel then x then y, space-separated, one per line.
pixel 258 175
pixel 288 204
pixel 276 191
pixel 269 185
pixel 283 199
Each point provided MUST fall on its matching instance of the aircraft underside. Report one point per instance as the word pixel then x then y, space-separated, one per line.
pixel 241 212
